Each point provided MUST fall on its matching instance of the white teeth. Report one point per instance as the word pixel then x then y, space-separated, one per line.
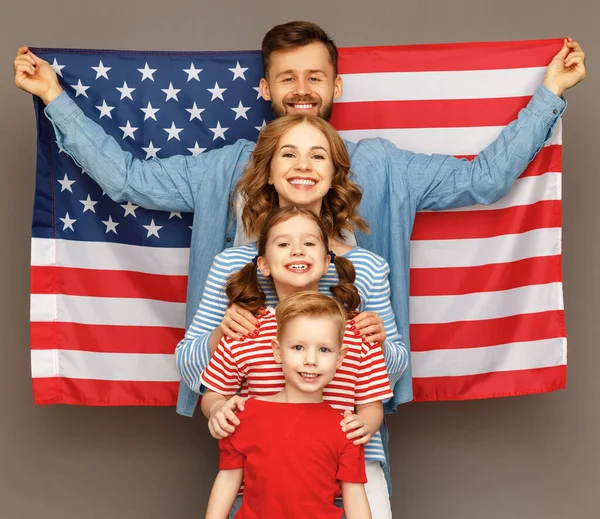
pixel 303 107
pixel 309 375
pixel 302 182
pixel 298 267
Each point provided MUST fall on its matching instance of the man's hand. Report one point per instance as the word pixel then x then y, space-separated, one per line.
pixel 35 75
pixel 566 69
pixel 222 420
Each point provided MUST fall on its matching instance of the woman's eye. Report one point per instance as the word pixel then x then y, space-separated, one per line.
pixel 318 157
pixel 288 155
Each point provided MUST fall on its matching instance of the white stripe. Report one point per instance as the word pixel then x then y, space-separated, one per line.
pixel 455 84
pixel 486 305
pixel 485 251
pixel 44 363
pixel 110 256
pixel 107 310
pixel 448 141
pixel 525 191
pixel 503 357
pixel 106 366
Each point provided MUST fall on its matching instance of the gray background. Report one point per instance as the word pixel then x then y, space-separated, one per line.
pixel 529 457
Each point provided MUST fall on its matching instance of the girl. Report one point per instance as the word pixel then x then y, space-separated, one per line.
pixel 292 252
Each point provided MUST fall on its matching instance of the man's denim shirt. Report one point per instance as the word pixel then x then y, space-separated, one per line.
pixel 395 184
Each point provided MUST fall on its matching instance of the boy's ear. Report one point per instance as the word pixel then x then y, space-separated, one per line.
pixel 263 266
pixel 341 355
pixel 276 351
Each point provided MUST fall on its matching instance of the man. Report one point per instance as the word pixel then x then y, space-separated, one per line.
pixel 300 75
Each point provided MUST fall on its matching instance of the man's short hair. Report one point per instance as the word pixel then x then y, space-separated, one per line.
pixel 310 304
pixel 296 34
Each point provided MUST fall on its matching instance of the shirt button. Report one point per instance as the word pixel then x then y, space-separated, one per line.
pixel 228 240
pixel 555 111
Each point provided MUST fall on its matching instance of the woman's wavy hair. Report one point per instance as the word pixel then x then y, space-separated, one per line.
pixel 340 204
pixel 243 287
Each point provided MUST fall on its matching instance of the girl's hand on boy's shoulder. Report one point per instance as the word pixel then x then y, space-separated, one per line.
pixel 359 429
pixel 223 420
pixel 369 325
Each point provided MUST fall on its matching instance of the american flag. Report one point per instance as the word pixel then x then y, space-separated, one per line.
pixel 108 280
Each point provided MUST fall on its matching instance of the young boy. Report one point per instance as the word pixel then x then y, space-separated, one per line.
pixel 289 448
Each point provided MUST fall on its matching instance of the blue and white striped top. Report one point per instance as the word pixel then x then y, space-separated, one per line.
pixel 193 352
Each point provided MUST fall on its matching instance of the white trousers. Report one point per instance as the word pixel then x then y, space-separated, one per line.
pixel 377 491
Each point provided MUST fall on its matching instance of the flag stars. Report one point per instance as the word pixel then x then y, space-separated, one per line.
pixel 238 72
pixel 219 132
pixel 65 184
pixel 128 130
pixel 195 112
pixel 68 222
pixel 111 226
pixel 88 204
pixel 152 229
pixel 151 151
pixel 171 92
pixel 196 150
pixel 173 132
pixel 178 215
pixel 105 110
pixel 129 209
pixel 57 68
pixel 125 91
pixel 240 111
pixel 101 70
pixel 259 128
pixel 147 72
pixel 258 92
pixel 80 89
pixel 216 92
pixel 192 72
pixel 149 112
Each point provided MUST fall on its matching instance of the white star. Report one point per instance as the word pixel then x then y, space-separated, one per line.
pixel 171 92
pixel 130 209
pixel 65 184
pixel 195 112
pixel 151 151
pixel 105 110
pixel 149 112
pixel 57 68
pixel 240 111
pixel 259 93
pixel 219 131
pixel 128 130
pixel 196 150
pixel 175 214
pixel 125 91
pixel 80 89
pixel 152 229
pixel 217 92
pixel 192 72
pixel 238 72
pixel 259 128
pixel 147 72
pixel 173 132
pixel 110 225
pixel 88 204
pixel 68 222
pixel 101 70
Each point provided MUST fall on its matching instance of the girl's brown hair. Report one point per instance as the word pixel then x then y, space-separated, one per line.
pixel 340 204
pixel 243 287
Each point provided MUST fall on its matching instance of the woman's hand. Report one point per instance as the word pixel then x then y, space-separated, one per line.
pixel 360 430
pixel 370 326
pixel 222 420
pixel 35 75
pixel 238 323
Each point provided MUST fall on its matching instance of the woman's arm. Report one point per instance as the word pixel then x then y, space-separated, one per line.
pixel 354 500
pixel 222 496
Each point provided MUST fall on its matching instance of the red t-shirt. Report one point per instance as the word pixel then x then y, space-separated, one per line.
pixel 294 456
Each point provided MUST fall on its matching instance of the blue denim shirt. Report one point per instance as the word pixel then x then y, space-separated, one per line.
pixel 395 183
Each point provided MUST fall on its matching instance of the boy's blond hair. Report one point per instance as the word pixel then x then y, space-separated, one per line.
pixel 310 304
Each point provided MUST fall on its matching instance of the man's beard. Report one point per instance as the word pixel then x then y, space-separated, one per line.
pixel 325 110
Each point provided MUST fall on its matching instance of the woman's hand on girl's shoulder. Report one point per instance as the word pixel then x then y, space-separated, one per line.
pixel 370 326
pixel 223 420
pixel 238 323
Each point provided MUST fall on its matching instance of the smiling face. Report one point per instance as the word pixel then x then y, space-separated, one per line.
pixel 302 80
pixel 302 168
pixel 295 256
pixel 309 351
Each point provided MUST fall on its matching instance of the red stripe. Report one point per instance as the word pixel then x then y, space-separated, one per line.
pixel 488 332
pixel 484 278
pixel 58 390
pixel 487 223
pixel 107 283
pixel 104 338
pixel 449 56
pixel 453 113
pixel 490 385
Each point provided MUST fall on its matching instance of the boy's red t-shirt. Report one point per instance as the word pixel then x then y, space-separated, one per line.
pixel 294 456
